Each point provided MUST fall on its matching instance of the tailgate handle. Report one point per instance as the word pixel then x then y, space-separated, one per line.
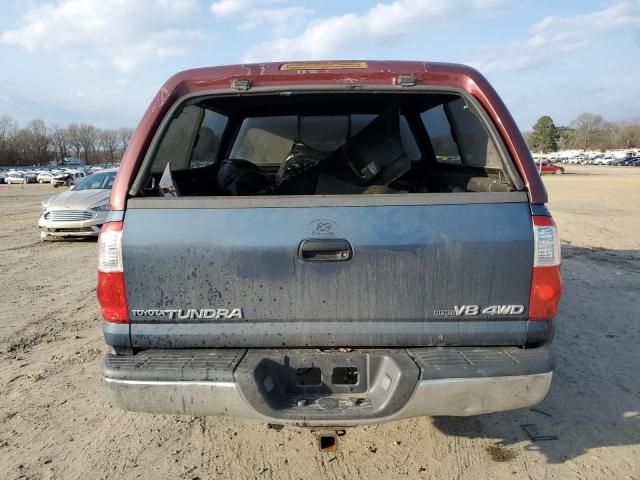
pixel 325 250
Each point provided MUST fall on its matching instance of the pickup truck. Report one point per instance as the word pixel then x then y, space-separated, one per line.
pixel 328 244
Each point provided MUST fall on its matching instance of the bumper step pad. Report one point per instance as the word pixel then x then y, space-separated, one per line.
pixel 470 362
pixel 174 365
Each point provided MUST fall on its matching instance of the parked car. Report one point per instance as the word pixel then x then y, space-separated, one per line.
pixel 45 177
pixel 62 179
pixel 629 161
pixel 548 167
pixel 603 160
pixel 80 211
pixel 16 177
pixel 312 262
pixel 67 178
pixel 574 160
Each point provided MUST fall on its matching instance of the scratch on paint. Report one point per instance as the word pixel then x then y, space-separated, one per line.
pixel 161 98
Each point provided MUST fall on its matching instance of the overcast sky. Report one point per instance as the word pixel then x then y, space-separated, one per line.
pixel 101 61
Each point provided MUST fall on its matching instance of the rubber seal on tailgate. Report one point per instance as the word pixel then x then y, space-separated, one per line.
pixel 299 201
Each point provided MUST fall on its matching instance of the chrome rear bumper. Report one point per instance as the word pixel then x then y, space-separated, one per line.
pixel 443 397
pixel 231 383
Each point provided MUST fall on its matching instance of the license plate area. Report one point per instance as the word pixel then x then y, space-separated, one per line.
pixel 316 373
pixel 313 384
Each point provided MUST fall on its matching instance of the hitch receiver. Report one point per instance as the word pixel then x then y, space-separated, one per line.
pixel 328 439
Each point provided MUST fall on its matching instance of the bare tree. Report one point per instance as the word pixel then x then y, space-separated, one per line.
pixel 589 129
pixel 88 137
pixel 124 136
pixel 30 145
pixel 109 142
pixel 22 147
pixel 60 142
pixel 39 142
pixel 627 135
pixel 73 137
pixel 8 130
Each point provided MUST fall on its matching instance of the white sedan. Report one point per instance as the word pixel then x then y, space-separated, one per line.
pixel 15 177
pixel 79 211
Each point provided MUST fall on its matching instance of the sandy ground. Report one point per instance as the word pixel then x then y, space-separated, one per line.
pixel 55 421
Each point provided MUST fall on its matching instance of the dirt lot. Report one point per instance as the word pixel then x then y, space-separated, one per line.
pixel 56 423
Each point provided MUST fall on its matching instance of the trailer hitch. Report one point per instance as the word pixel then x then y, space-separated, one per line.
pixel 327 440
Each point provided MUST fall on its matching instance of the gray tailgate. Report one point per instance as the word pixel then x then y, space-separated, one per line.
pixel 409 266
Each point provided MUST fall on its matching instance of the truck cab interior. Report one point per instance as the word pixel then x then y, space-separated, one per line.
pixel 325 143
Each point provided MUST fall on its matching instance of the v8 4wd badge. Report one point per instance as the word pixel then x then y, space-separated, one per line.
pixel 474 310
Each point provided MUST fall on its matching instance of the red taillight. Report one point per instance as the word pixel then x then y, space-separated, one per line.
pixel 111 290
pixel 113 297
pixel 546 283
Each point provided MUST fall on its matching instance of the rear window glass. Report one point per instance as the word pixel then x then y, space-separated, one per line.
pixel 458 136
pixel 268 140
pixel 191 140
pixel 265 139
pixel 207 142
pixel 439 129
pixel 324 144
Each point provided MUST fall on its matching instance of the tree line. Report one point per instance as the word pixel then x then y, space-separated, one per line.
pixel 586 132
pixel 39 144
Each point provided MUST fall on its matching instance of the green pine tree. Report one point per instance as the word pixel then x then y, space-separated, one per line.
pixel 544 137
